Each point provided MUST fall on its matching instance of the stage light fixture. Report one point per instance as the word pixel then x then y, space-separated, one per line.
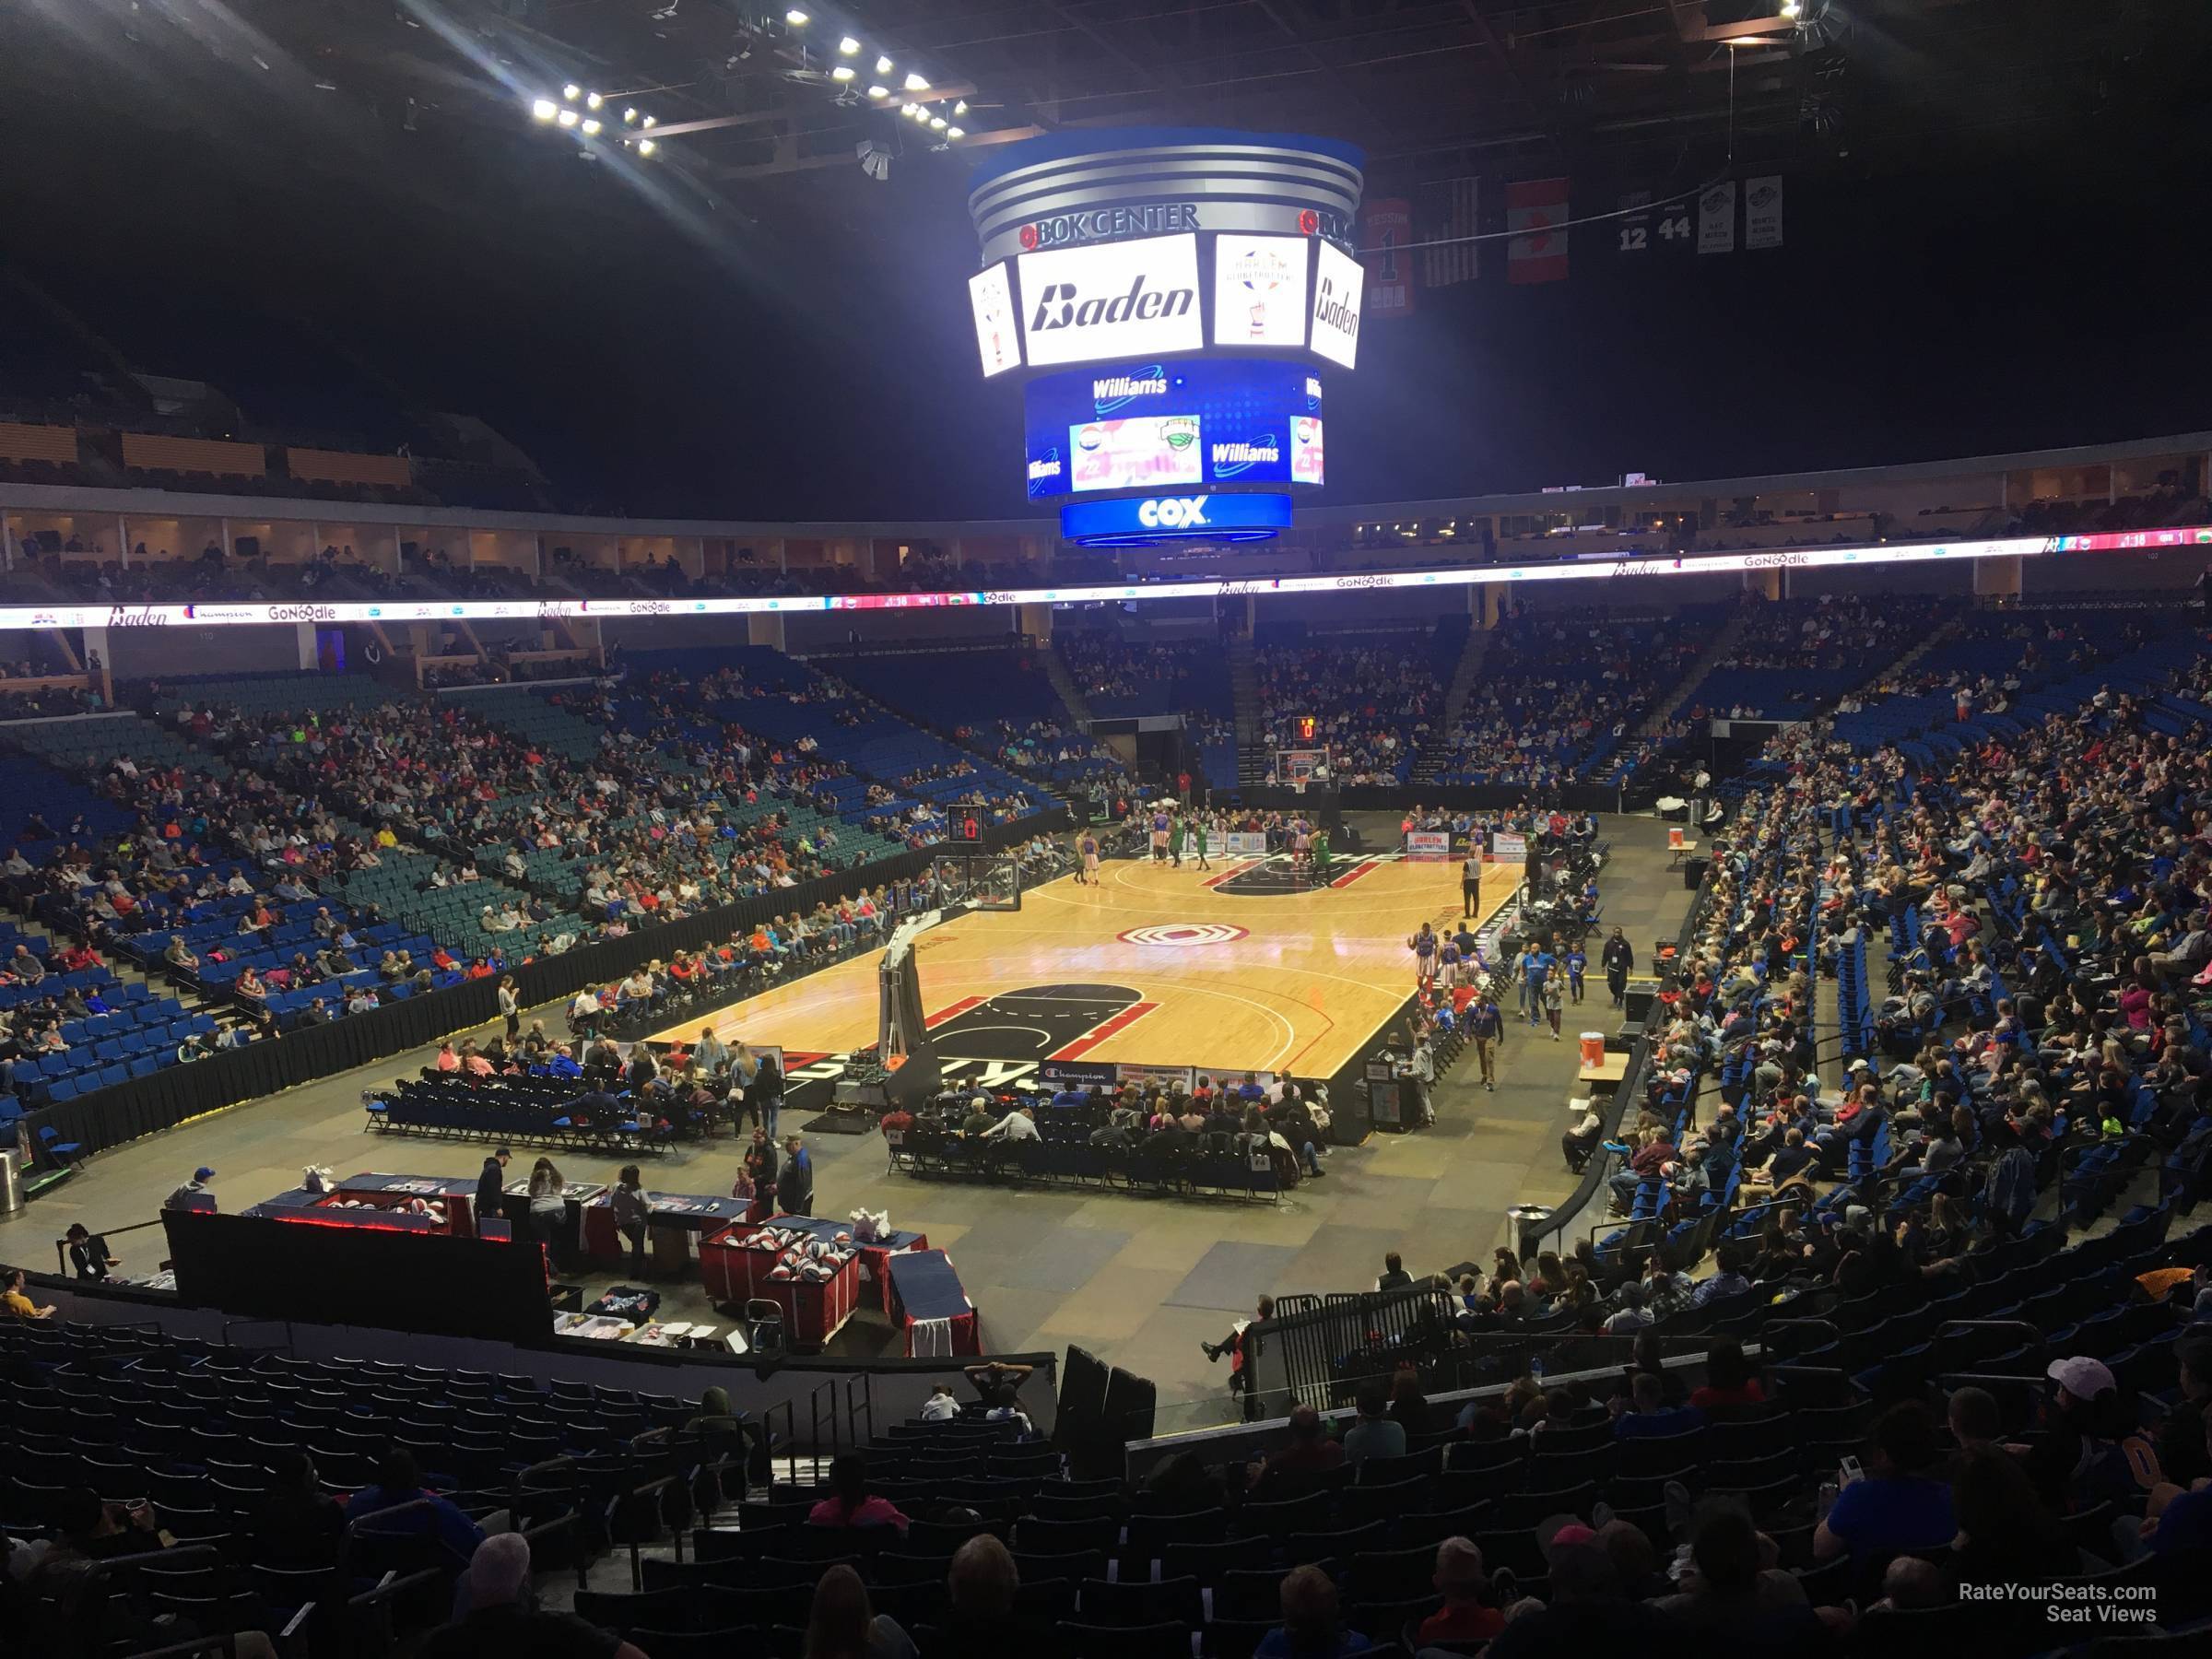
pixel 848 46
pixel 938 122
pixel 843 72
pixel 883 65
pixel 572 91
pixel 567 118
pixel 914 83
pixel 629 116
pixel 879 91
pixel 960 108
pixel 796 19
pixel 591 129
pixel 953 131
pixel 592 100
pixel 646 146
pixel 545 108
pixel 650 123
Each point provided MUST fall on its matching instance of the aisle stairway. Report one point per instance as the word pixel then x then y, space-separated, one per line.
pixel 1244 684
pixel 1055 670
pixel 1722 644
pixel 1438 749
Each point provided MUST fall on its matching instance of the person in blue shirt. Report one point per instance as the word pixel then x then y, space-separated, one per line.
pixel 398 1482
pixel 1313 1625
pixel 1898 1505
pixel 1648 1417
pixel 1577 964
pixel 1536 967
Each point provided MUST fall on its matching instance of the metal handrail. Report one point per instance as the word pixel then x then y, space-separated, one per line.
pixel 61 1246
pixel 814 1411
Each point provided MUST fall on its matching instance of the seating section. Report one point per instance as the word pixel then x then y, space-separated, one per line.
pixel 1375 696
pixel 529 1111
pixel 999 700
pixel 1794 655
pixel 895 779
pixel 1561 696
pixel 1118 678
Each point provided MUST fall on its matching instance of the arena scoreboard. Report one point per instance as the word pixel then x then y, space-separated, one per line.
pixel 1173 299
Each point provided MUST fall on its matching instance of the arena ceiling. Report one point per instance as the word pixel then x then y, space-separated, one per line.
pixel 1627 90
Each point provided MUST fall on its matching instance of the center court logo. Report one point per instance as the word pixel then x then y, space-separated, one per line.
pixel 1183 934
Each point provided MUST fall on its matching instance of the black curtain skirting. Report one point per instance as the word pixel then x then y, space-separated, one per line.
pixel 143 1105
pixel 1633 796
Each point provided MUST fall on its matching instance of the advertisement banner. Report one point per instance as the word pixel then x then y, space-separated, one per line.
pixel 1507 847
pixel 1135 522
pixel 1167 1077
pixel 1384 244
pixel 1337 292
pixel 1112 301
pixel 1273 510
pixel 1259 290
pixel 1428 843
pixel 1762 213
pixel 1246 844
pixel 1716 219
pixel 1142 453
pixel 1076 1074
pixel 991 296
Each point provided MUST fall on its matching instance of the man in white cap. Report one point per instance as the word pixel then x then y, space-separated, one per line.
pixel 499 1616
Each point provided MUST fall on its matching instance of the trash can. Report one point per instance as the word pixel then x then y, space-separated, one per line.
pixel 11 1184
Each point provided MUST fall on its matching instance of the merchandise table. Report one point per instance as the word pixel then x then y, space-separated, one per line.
pixel 927 1300
pixel 814 1312
pixel 672 1220
pixel 380 1200
pixel 875 1257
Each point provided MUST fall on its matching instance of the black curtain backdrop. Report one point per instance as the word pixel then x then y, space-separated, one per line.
pixel 144 1105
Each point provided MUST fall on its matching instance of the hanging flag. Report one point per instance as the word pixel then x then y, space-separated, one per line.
pixel 1454 261
pixel 1716 219
pixel 1762 213
pixel 1389 266
pixel 1535 212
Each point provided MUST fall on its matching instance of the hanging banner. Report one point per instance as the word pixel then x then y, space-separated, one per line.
pixel 1762 213
pixel 1535 212
pixel 1716 219
pixel 1384 252
pixel 1453 261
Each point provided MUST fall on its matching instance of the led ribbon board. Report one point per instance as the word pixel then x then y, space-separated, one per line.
pixel 1571 569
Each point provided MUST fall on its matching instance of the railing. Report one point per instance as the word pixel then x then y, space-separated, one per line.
pixel 61 1246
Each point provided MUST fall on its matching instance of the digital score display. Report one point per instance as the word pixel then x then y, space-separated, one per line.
pixel 1141 426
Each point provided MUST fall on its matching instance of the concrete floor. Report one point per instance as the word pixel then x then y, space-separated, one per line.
pixel 1139 1281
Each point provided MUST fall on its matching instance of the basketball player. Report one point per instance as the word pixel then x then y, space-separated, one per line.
pixel 1447 962
pixel 1301 843
pixel 1086 844
pixel 1177 832
pixel 1159 836
pixel 1317 858
pixel 1423 945
pixel 1198 839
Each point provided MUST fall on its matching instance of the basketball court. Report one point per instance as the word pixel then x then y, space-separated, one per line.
pixel 1240 969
